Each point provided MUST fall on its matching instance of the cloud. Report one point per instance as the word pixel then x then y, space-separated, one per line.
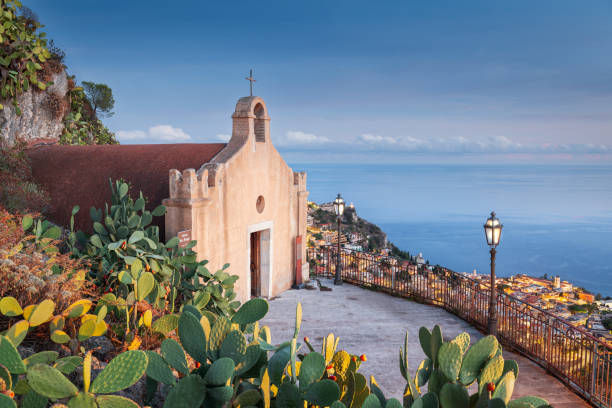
pixel 167 132
pixel 461 144
pixel 131 135
pixel 154 133
pixel 295 137
pixel 367 138
pixel 223 137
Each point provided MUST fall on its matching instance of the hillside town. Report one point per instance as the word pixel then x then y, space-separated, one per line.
pixel 558 297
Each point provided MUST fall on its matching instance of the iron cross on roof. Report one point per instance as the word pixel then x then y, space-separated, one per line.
pixel 251 80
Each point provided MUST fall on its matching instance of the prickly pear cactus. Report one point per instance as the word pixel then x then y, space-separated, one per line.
pixel 122 372
pixel 456 367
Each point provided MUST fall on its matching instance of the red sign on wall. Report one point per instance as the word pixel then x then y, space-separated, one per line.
pixel 184 238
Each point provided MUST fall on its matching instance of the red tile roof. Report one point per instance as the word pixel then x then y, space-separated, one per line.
pixel 79 174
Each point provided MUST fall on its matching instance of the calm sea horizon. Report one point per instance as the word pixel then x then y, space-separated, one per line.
pixel 557 218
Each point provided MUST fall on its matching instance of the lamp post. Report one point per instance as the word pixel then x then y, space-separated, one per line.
pixel 493 229
pixel 339 209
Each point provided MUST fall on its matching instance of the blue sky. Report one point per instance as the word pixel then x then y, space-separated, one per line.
pixel 355 81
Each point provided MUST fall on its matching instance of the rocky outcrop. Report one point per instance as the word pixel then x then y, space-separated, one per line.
pixel 42 113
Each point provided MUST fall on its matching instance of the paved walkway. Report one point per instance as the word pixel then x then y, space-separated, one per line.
pixel 374 323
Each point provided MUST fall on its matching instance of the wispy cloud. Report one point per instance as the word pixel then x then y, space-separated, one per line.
pixel 298 138
pixel 223 137
pixel 460 144
pixel 154 133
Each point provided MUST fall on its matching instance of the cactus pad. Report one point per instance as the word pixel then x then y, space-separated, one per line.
pixel 429 400
pixel 298 320
pixel 511 365
pixel 60 337
pixel 9 306
pixel 505 387
pixel 17 332
pixel 68 364
pixel 122 372
pixel 192 336
pixel 341 361
pixel 454 396
pixel 436 381
pixel 253 353
pixel 9 357
pixel 78 308
pixel 423 372
pixel 146 283
pixel 41 313
pixel 463 340
pixel 217 334
pixel 158 369
pixel 251 398
pixel 7 402
pixel 49 382
pixel 189 392
pixel 311 369
pixel 175 356
pixel 535 402
pixel 425 340
pixel 5 376
pixel 115 401
pixel 82 400
pixel 220 371
pixel 323 393
pixel 234 346
pixel 436 343
pixel 449 360
pixel 44 357
pixel 371 401
pixel 251 311
pixel 476 357
pixel 165 324
pixel 221 395
pixel 491 372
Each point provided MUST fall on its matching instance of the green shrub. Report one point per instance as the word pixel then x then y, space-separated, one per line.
pixel 22 51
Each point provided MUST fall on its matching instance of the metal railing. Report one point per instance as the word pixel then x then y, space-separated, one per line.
pixel 573 355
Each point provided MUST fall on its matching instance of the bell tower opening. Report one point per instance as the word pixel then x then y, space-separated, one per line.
pixel 260 123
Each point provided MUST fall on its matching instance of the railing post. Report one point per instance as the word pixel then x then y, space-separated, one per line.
pixel 594 369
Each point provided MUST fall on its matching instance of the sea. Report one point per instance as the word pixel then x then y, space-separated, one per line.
pixel 557 219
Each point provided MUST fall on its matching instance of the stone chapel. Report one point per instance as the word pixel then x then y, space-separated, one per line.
pixel 242 203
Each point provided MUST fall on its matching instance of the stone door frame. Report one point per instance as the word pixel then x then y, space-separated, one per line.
pixel 266 250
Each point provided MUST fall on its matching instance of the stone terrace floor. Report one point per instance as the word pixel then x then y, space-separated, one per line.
pixel 374 323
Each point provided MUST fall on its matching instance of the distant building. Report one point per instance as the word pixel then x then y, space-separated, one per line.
pixel 557 282
pixel 419 259
pixel 354 247
pixel 587 297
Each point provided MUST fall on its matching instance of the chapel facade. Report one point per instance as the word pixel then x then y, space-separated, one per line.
pixel 240 201
pixel 246 206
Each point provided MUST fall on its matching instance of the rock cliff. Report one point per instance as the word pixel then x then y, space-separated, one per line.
pixel 42 113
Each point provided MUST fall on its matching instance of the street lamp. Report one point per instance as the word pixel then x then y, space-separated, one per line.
pixel 493 229
pixel 339 209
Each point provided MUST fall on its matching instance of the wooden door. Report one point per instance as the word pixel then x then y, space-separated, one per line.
pixel 255 264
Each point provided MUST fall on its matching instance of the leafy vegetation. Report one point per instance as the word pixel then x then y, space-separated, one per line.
pixel 26 61
pixel 100 97
pixel 81 125
pixel 22 51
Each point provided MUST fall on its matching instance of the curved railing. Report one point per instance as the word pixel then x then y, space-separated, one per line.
pixel 570 353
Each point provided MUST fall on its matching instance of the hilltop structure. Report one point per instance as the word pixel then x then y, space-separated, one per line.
pixel 241 202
